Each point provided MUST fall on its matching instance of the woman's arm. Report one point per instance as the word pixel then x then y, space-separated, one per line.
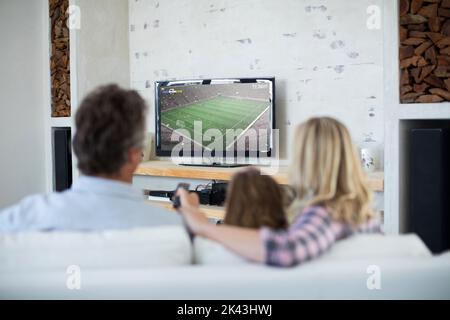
pixel 245 242
pixel 307 239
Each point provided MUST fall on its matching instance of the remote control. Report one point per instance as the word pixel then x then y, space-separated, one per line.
pixel 176 199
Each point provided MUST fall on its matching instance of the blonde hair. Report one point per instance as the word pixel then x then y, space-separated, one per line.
pixel 326 171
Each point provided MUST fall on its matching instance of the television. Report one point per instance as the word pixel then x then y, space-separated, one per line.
pixel 220 118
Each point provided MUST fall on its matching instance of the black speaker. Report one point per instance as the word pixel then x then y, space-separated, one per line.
pixel 62 159
pixel 429 197
pixel 218 193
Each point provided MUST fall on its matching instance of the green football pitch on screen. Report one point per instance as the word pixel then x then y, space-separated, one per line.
pixel 220 113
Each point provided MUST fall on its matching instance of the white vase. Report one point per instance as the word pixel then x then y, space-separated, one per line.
pixel 368 159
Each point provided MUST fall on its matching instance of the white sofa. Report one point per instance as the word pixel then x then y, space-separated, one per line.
pixel 160 263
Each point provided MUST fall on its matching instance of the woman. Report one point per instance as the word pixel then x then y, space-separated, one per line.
pixel 333 201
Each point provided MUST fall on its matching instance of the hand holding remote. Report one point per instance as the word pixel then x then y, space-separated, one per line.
pixel 176 199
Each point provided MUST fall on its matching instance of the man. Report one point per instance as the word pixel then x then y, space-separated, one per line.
pixel 110 130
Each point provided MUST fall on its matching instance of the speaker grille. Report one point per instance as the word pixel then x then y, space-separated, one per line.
pixel 62 159
pixel 429 187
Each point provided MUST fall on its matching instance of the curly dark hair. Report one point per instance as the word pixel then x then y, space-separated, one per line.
pixel 109 122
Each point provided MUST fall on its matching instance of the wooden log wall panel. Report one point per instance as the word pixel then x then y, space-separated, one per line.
pixel 60 58
pixel 424 51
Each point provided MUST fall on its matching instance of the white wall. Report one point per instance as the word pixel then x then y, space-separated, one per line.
pixel 102 54
pixel 325 59
pixel 23 104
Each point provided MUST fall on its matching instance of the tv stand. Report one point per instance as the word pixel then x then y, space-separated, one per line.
pixel 215 164
pixel 166 169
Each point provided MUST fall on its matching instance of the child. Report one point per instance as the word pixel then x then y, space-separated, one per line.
pixel 254 201
pixel 333 201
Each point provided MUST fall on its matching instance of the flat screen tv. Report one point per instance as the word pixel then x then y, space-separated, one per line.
pixel 215 117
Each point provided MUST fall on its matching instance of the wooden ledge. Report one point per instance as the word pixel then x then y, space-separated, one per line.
pixel 160 168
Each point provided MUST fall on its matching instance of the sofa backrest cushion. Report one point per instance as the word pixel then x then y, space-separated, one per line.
pixel 134 248
pixel 358 247
pixel 207 252
pixel 367 246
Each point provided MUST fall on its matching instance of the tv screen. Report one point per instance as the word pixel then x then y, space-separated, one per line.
pixel 217 117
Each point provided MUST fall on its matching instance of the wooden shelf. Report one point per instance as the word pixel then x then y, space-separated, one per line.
pixel 160 168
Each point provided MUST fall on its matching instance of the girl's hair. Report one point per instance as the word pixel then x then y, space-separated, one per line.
pixel 254 200
pixel 326 171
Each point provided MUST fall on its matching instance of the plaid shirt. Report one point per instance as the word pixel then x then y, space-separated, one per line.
pixel 312 234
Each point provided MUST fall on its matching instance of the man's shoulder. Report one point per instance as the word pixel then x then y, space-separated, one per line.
pixel 27 203
pixel 35 205
pixel 25 214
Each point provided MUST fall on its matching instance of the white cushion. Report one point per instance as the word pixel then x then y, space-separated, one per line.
pixel 358 247
pixel 136 248
pixel 207 252
pixel 367 246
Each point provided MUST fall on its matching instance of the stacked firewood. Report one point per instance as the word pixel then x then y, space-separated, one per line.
pixel 59 61
pixel 424 51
